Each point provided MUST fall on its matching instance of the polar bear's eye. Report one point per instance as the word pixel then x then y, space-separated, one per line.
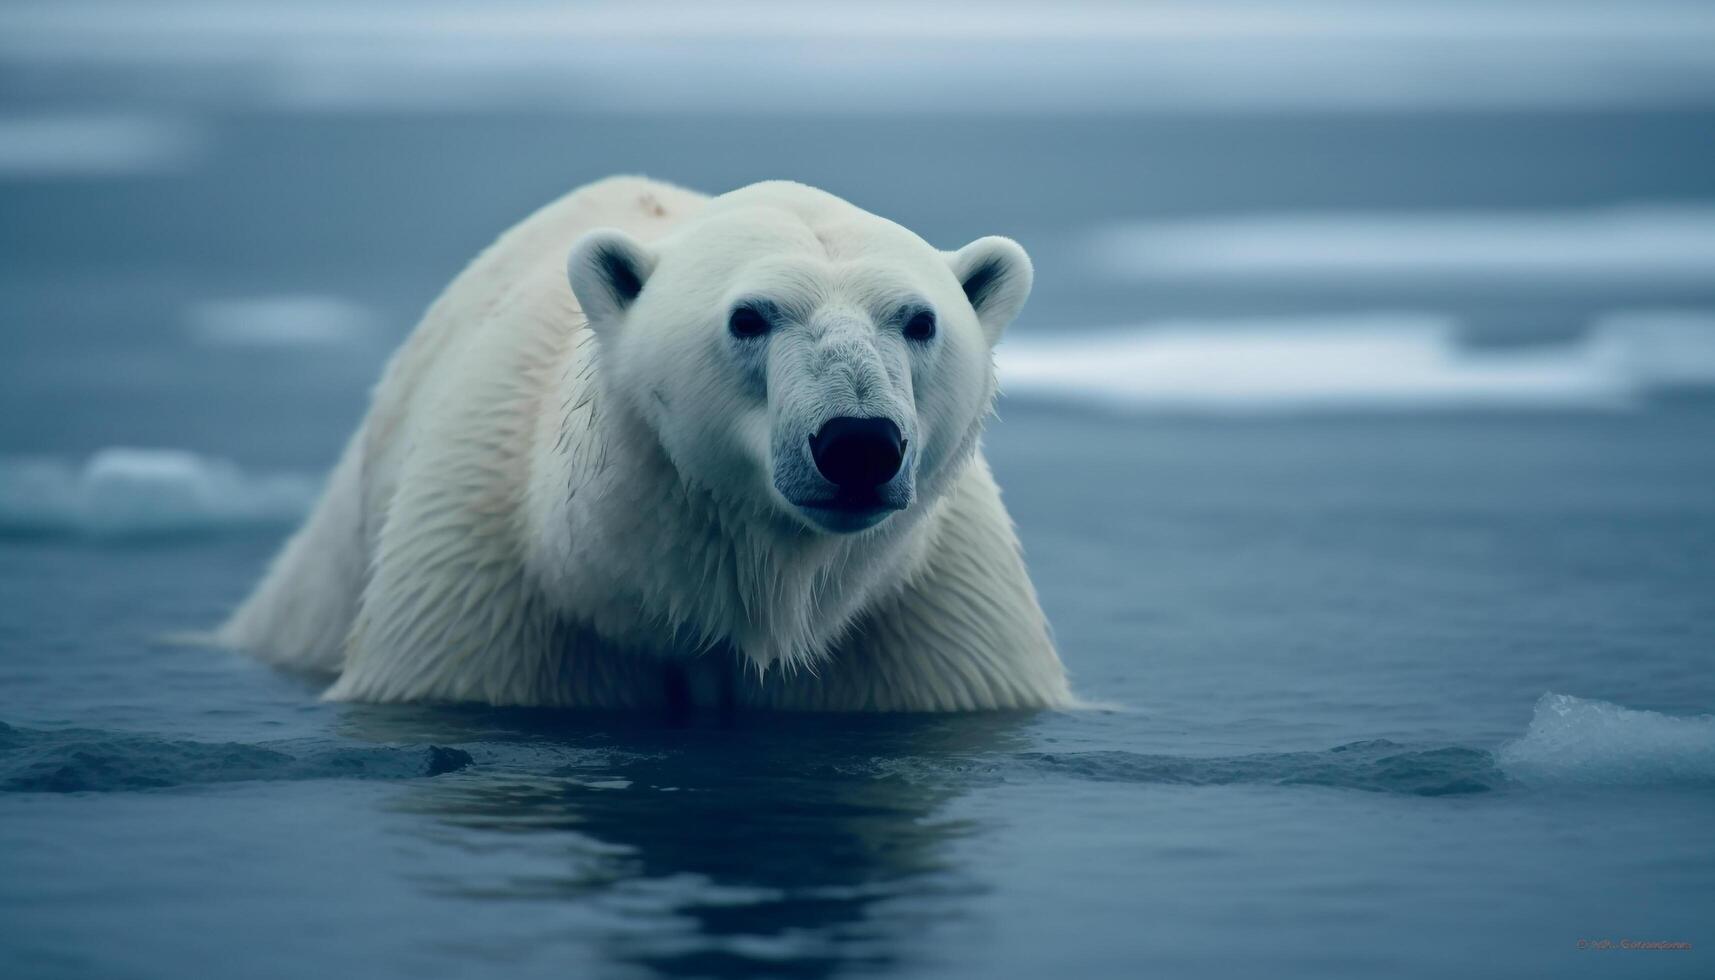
pixel 921 326
pixel 747 321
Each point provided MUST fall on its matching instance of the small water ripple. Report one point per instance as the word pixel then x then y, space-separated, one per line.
pixel 87 760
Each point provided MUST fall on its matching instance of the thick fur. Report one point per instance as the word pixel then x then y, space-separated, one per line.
pixel 549 508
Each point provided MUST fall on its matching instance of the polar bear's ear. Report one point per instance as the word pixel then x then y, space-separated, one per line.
pixel 607 269
pixel 996 276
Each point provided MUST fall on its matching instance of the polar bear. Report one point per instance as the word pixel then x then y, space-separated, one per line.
pixel 725 454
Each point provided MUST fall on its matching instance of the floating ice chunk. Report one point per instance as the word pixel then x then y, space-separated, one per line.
pixel 280 321
pixel 1391 361
pixel 129 492
pixel 1572 740
pixel 1663 243
pixel 50 146
pixel 1380 361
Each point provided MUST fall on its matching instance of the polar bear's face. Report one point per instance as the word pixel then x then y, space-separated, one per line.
pixel 794 353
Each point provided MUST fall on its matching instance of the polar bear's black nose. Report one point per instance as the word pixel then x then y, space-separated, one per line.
pixel 858 454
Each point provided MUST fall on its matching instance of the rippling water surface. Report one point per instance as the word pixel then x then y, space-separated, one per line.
pixel 1331 751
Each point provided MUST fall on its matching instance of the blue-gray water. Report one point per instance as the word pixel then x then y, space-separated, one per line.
pixel 1394 692
pixel 1321 633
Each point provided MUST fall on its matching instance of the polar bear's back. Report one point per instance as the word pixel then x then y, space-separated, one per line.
pixel 525 264
pixel 643 208
pixel 532 252
pixel 302 611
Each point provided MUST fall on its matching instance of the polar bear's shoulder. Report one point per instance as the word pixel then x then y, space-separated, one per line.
pixel 525 265
pixel 639 206
pixel 534 251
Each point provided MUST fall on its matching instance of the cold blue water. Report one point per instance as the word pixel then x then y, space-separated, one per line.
pixel 1332 752
pixel 1402 666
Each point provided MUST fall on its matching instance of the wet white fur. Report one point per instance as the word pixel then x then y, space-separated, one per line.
pixel 542 511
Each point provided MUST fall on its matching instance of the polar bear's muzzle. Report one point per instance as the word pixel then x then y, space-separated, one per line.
pixel 843 421
pixel 857 455
pixel 851 474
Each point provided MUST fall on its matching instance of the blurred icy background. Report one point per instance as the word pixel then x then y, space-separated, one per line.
pixel 1360 436
pixel 219 216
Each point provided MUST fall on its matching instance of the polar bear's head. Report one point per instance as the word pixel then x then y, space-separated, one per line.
pixel 790 350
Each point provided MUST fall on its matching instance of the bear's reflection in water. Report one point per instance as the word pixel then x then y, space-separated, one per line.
pixel 763 845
